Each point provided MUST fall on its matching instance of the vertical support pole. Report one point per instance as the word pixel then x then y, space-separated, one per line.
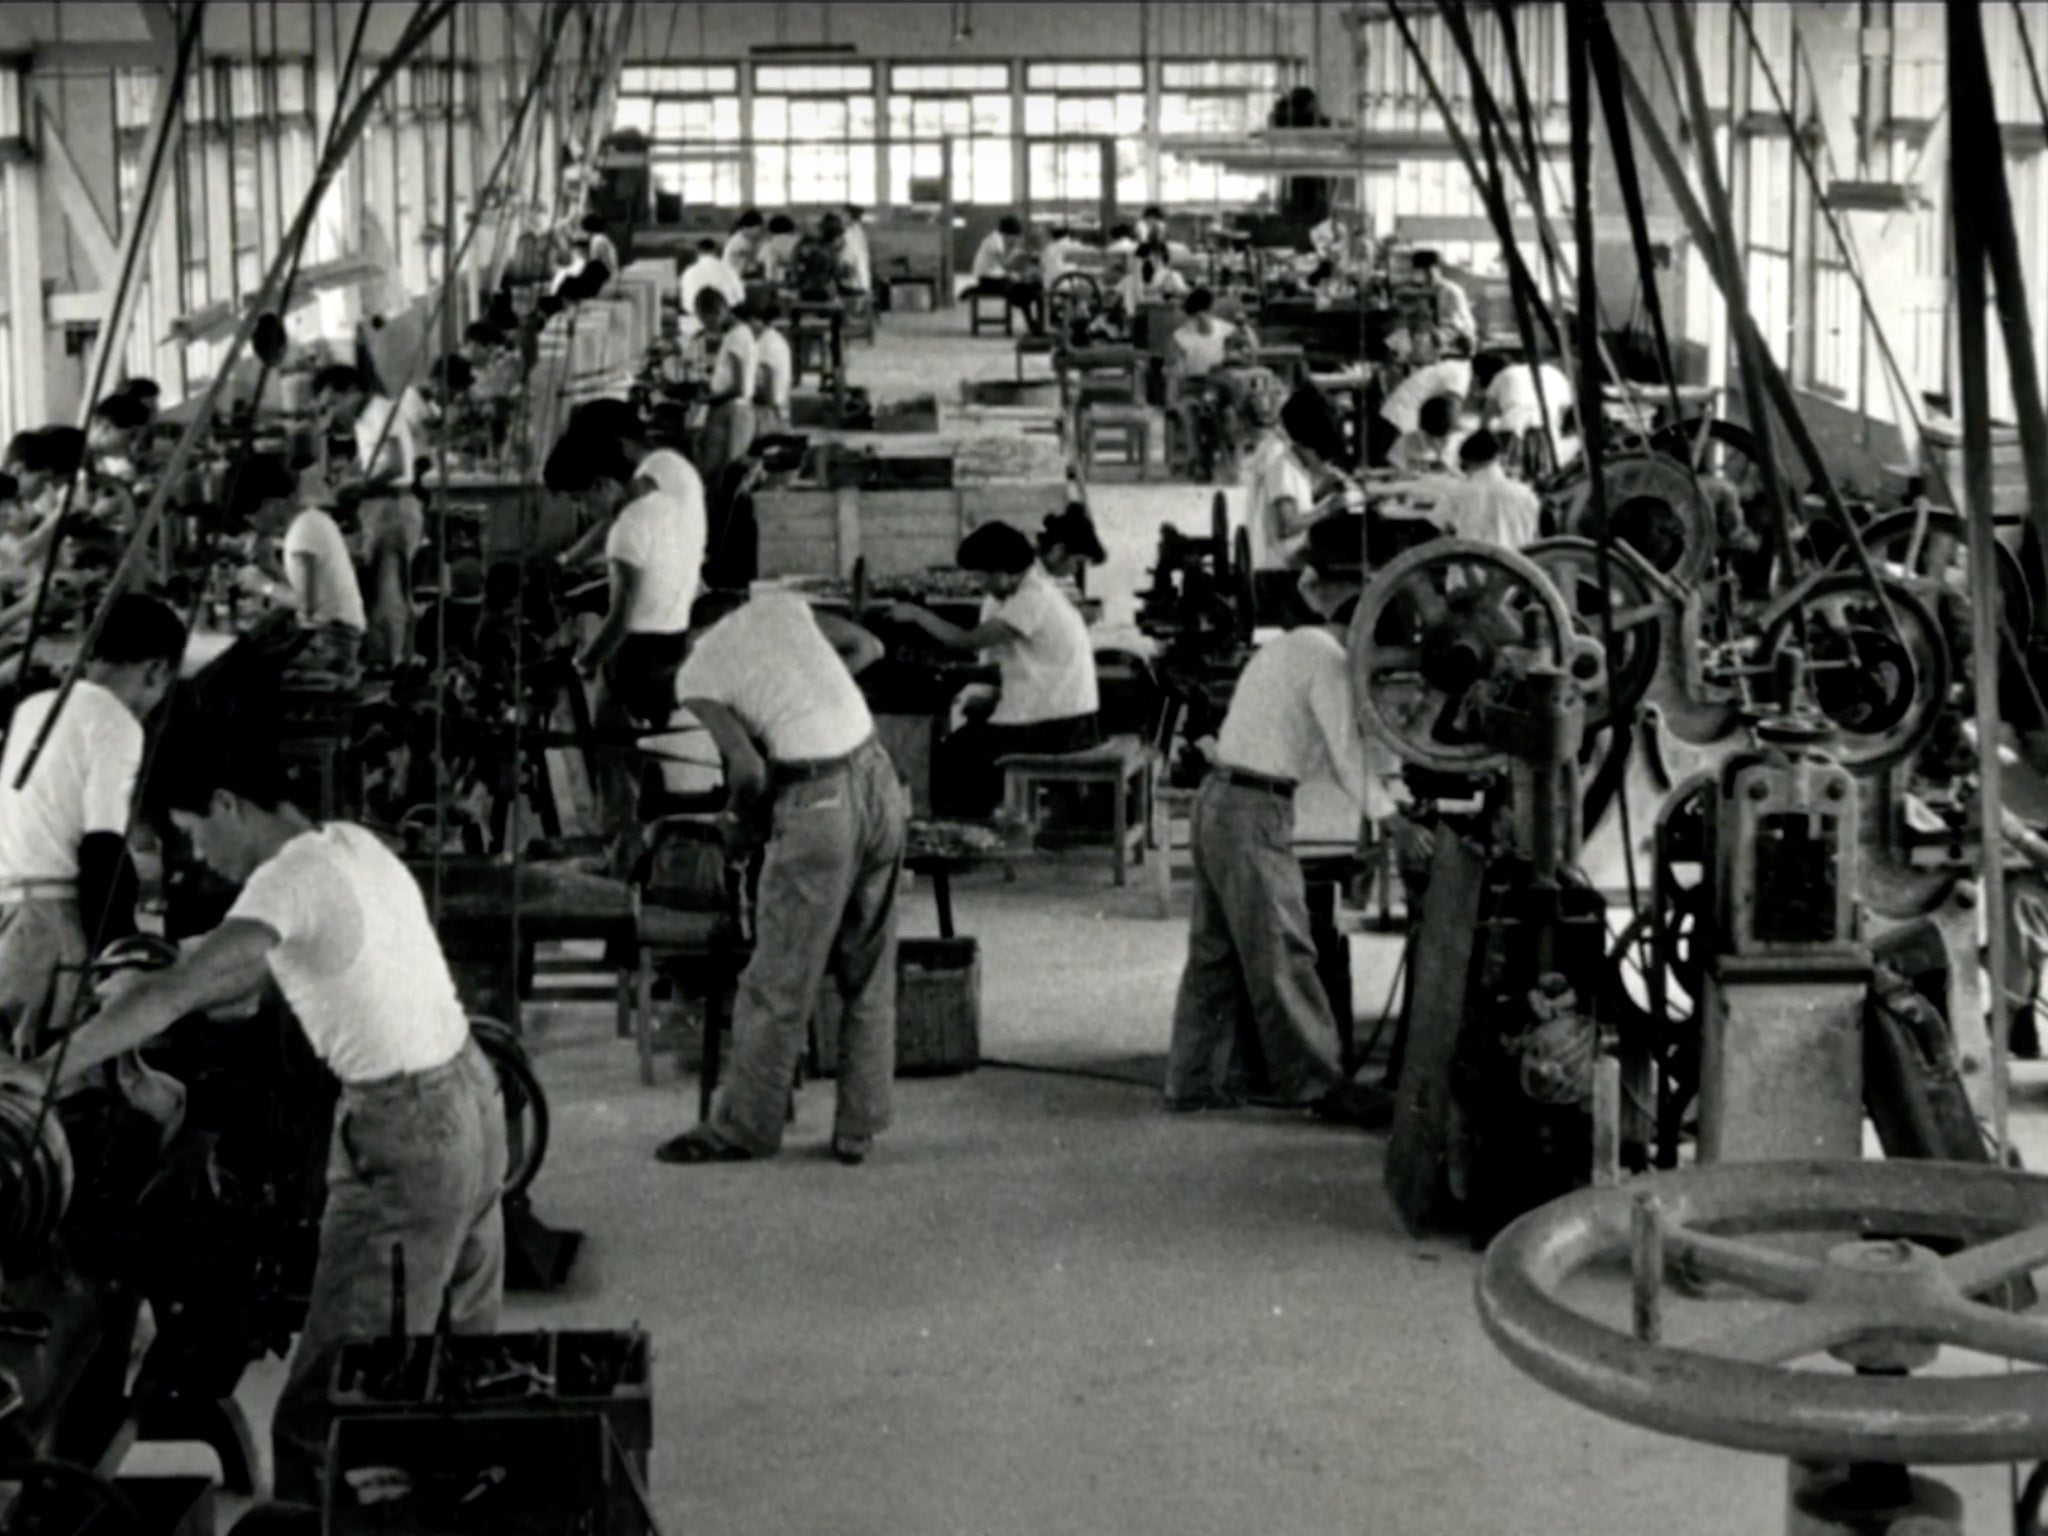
pixel 1646 1268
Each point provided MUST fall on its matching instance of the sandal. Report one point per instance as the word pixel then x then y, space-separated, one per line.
pixel 690 1147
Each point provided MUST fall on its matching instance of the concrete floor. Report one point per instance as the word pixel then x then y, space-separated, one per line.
pixel 1047 1306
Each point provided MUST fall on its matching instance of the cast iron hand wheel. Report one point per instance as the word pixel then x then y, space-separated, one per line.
pixel 1628 607
pixel 1882 1299
pixel 1882 688
pixel 1434 625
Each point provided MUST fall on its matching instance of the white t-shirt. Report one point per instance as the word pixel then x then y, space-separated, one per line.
pixel 83 781
pixel 356 956
pixel 715 273
pixel 734 366
pixel 1490 507
pixel 1451 376
pixel 991 258
pixel 334 596
pixel 1166 284
pixel 408 417
pixel 1291 717
pixel 1274 474
pixel 1513 406
pixel 1202 355
pixel 662 537
pixel 744 250
pixel 1057 260
pixel 859 262
pixel 1453 308
pixel 1049 672
pixel 673 475
pixel 773 369
pixel 770 664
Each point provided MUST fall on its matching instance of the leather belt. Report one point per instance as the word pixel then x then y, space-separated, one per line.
pixel 783 774
pixel 1265 783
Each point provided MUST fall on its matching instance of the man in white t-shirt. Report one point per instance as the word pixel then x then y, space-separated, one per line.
pixel 318 569
pixel 1486 505
pixel 66 886
pixel 772 682
pixel 729 427
pixel 1430 374
pixel 859 261
pixel 1251 965
pixel 774 370
pixel 1517 400
pixel 390 440
pixel 708 270
pixel 1039 640
pixel 419 1154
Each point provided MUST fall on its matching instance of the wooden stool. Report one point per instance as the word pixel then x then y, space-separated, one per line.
pixel 1031 346
pixel 1131 425
pixel 978 300
pixel 1123 763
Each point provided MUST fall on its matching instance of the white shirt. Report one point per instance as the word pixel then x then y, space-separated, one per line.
pixel 1486 505
pixel 662 537
pixel 356 956
pixel 773 369
pixel 672 474
pixel 1512 404
pixel 83 781
pixel 733 368
pixel 1048 672
pixel 743 250
pixel 1453 309
pixel 858 259
pixel 1057 260
pixel 715 273
pixel 991 258
pixel 1416 454
pixel 331 595
pixel 1291 717
pixel 408 417
pixel 1451 376
pixel 1202 355
pixel 770 664
pixel 1274 474
pixel 1166 284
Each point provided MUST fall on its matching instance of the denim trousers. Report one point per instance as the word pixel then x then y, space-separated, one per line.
pixel 1251 957
pixel 418 1162
pixel 826 912
pixel 42 947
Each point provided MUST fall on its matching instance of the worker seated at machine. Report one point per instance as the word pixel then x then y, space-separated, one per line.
pixel 66 885
pixel 1531 408
pixel 1251 963
pixel 1198 373
pixel 778 250
pixel 1047 701
pixel 1003 266
pixel 1453 308
pixel 744 247
pixel 1149 278
pixel 1486 505
pixel 708 269
pixel 774 368
pixel 1432 448
pixel 312 560
pixel 390 438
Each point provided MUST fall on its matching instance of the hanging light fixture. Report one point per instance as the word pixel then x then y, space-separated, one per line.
pixel 963 22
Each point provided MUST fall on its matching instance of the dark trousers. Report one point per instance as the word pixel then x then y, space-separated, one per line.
pixel 968 785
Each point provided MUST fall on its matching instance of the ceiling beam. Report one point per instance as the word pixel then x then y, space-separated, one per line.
pixel 163 26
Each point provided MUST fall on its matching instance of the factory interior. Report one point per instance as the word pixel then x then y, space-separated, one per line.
pixel 913 769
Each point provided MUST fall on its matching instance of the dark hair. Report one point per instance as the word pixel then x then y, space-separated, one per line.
pixel 1309 421
pixel 148 391
pixel 709 298
pixel 481 333
pixel 25 451
pixel 140 629
pixel 782 224
pixel 1439 415
pixel 1488 366
pixel 1124 232
pixel 199 760
pixel 63 449
pixel 594 224
pixel 996 548
pixel 605 418
pixel 1008 225
pixel 1424 261
pixel 1154 211
pixel 582 457
pixel 1073 529
pixel 707 247
pixel 267 339
pixel 260 478
pixel 122 412
pixel 855 211
pixel 340 379
pixel 453 375
pixel 751 219
pixel 1199 302
pixel 1482 447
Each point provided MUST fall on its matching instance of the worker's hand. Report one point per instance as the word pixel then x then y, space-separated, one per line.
pixel 904 613
pixel 111 986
